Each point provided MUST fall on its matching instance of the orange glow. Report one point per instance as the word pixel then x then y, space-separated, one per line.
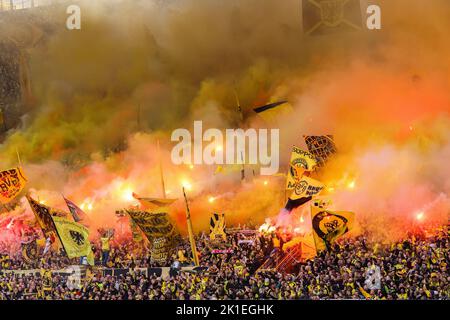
pixel 186 184
pixel 351 184
pixel 127 195
pixel 420 215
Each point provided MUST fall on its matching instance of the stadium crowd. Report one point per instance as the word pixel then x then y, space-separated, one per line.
pixel 356 268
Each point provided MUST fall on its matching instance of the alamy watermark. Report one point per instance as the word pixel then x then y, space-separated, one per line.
pixel 229 146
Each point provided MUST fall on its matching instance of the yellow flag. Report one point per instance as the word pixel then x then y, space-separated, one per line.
pixel 12 183
pixel 153 202
pixel 274 110
pixel 217 226
pixel 329 225
pixel 154 223
pixel 228 168
pixel 47 281
pixel 74 238
pixel 301 161
pixel 306 187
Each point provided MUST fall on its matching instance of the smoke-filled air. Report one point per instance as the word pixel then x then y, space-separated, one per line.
pixel 102 98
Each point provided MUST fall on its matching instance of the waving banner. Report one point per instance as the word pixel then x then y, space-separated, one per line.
pixel 306 187
pixel 74 238
pixel 153 202
pixel 329 225
pixel 12 183
pixel 44 215
pixel 153 223
pixel 301 161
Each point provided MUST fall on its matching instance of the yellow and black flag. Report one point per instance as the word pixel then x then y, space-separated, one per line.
pixel 47 281
pixel 30 251
pixel 135 231
pixel 306 187
pixel 300 162
pixel 217 226
pixel 154 223
pixel 44 215
pixel 321 147
pixel 270 112
pixel 153 202
pixel 329 225
pixel 12 183
pixel 322 17
pixel 74 238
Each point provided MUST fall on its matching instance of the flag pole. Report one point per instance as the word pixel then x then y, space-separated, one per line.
pixel 238 105
pixel 190 231
pixel 161 172
pixel 243 167
pixel 18 158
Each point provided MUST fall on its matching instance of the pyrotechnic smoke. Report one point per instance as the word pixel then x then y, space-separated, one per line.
pixel 137 70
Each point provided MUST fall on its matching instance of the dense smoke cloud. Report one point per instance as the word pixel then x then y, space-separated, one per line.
pixel 105 95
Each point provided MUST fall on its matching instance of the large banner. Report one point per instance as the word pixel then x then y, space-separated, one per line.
pixel 301 161
pixel 44 215
pixel 74 238
pixel 329 225
pixel 153 223
pixel 306 187
pixel 12 183
pixel 161 250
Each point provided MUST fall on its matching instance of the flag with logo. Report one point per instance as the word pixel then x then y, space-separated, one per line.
pixel 322 17
pixel 300 162
pixel 217 226
pixel 329 225
pixel 153 223
pixel 44 215
pixel 161 250
pixel 321 147
pixel 30 251
pixel 12 183
pixel 47 281
pixel 74 238
pixel 306 187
